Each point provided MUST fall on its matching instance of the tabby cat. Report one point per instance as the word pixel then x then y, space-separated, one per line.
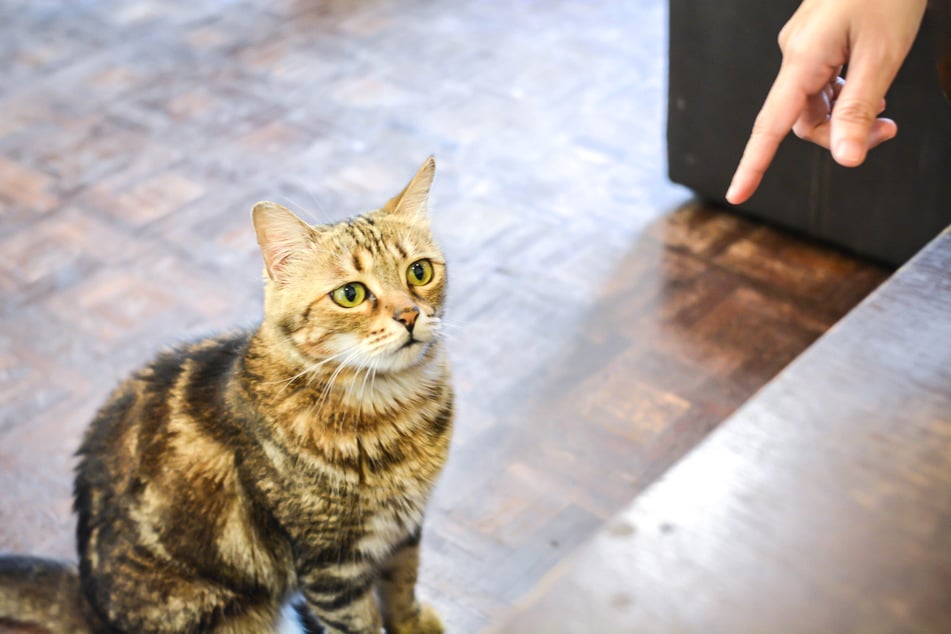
pixel 241 473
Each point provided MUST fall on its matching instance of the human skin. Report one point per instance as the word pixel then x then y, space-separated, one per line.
pixel 810 97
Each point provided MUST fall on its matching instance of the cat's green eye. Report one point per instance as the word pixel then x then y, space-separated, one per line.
pixel 349 295
pixel 419 273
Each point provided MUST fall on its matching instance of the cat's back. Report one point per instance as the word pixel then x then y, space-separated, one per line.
pixel 170 420
pixel 160 444
pixel 159 497
pixel 182 391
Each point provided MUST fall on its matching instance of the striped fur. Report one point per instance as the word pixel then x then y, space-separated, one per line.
pixel 233 474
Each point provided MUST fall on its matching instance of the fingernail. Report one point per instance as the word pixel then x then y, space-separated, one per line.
pixel 731 191
pixel 848 151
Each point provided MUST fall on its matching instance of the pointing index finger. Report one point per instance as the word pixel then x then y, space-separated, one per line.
pixel 783 105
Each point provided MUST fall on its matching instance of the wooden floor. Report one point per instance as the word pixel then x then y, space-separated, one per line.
pixel 826 498
pixel 603 321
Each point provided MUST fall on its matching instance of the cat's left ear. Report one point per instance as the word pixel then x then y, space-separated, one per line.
pixel 282 236
pixel 413 201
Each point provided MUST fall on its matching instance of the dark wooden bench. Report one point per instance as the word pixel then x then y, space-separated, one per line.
pixel 822 505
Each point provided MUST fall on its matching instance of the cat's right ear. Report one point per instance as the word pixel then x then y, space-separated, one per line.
pixel 281 236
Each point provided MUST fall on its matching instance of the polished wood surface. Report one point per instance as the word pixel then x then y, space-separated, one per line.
pixel 823 505
pixel 602 322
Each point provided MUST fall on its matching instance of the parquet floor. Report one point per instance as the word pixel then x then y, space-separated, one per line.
pixel 603 321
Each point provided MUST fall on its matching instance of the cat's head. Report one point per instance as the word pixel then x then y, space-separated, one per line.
pixel 367 292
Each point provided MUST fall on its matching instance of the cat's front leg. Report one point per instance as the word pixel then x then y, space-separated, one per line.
pixel 402 613
pixel 344 607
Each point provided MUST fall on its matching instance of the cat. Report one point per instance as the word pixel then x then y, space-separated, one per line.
pixel 238 474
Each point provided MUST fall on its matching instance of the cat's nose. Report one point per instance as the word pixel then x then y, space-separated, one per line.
pixel 407 316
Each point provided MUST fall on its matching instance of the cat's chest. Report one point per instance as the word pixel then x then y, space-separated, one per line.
pixel 395 453
pixel 367 521
pixel 381 502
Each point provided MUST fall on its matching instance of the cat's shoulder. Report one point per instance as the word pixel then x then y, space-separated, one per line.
pixel 211 353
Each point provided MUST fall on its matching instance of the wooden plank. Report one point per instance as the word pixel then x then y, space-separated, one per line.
pixel 822 505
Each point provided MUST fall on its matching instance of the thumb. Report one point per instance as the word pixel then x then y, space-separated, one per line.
pixel 856 109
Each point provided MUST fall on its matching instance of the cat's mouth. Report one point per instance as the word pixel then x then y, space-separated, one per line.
pixel 410 342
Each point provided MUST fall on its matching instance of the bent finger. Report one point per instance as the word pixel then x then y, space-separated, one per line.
pixel 815 115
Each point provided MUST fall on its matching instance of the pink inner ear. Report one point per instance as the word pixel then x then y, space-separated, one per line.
pixel 280 234
pixel 281 246
pixel 275 257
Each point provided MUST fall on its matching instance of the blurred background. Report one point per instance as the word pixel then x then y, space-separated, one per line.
pixel 602 321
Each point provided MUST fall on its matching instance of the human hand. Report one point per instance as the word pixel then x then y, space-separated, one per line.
pixel 810 98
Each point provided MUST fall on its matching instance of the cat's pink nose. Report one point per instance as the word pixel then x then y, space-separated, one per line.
pixel 407 316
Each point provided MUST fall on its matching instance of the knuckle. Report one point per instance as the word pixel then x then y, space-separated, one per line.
pixel 801 131
pixel 813 134
pixel 783 38
pixel 797 45
pixel 762 131
pixel 805 131
pixel 854 111
pixel 793 48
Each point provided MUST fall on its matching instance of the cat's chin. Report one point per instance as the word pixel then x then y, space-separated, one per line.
pixel 409 354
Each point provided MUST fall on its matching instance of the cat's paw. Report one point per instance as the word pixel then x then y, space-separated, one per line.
pixel 429 621
pixel 425 621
